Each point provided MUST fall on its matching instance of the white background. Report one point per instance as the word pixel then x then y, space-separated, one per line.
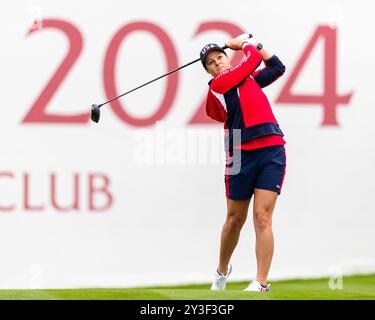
pixel 165 221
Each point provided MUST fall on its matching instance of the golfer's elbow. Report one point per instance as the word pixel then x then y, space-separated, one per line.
pixel 277 67
pixel 282 69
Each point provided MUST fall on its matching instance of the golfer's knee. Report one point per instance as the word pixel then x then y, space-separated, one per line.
pixel 262 218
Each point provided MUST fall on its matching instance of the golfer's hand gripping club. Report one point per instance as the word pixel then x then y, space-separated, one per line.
pixel 95 108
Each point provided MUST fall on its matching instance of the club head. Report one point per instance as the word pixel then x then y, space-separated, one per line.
pixel 95 113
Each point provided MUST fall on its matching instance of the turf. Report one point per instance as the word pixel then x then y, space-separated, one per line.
pixel 354 288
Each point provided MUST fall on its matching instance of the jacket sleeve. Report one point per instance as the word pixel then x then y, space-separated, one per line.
pixel 230 78
pixel 274 70
pixel 215 110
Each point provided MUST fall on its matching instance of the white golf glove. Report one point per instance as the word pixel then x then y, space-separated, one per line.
pixel 249 38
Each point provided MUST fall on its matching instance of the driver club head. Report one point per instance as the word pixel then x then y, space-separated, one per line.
pixel 95 113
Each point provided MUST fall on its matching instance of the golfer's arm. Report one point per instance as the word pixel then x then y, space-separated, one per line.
pixel 274 69
pixel 233 76
pixel 266 55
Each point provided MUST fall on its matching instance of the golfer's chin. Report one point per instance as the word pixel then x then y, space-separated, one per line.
pixel 220 70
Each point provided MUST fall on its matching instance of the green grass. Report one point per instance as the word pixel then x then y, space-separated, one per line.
pixel 354 288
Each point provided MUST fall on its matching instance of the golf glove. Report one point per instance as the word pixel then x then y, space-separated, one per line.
pixel 245 37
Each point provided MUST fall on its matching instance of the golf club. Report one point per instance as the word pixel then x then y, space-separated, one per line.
pixel 95 108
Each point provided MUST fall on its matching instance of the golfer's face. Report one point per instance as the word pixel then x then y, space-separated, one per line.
pixel 217 62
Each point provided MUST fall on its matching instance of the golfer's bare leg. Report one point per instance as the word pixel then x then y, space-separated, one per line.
pixel 264 203
pixel 236 217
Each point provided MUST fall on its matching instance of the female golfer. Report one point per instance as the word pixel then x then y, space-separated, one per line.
pixel 254 146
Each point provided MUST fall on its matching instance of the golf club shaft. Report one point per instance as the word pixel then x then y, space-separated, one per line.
pixel 145 84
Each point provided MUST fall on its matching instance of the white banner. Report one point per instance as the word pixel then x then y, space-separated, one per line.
pixel 139 198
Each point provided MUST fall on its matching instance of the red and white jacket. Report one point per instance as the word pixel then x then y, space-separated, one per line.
pixel 235 97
